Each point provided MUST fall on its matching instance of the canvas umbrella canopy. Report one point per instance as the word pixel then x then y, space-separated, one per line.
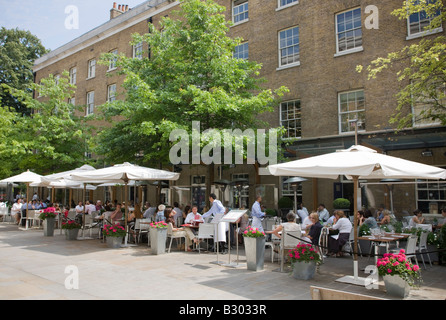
pixel 357 162
pixel 25 177
pixel 124 172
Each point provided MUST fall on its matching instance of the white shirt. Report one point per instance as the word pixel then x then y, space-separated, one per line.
pixel 217 207
pixel 343 225
pixel 323 215
pixel 16 207
pixel 79 209
pixel 306 222
pixel 191 218
pixel 302 213
pixel 89 208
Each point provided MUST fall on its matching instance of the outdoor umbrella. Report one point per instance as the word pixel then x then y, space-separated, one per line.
pixel 124 172
pixel 357 162
pixel 26 177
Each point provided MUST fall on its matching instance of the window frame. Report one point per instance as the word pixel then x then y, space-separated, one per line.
pixel 350 112
pixel 292 64
pixel 112 63
pixel 246 43
pixel 352 50
pixel 111 98
pixel 73 75
pixel 281 7
pixel 421 33
pixel 138 50
pixel 294 119
pixel 236 6
pixel 90 104
pixel 91 71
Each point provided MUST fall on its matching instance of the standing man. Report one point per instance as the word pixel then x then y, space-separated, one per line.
pixel 257 214
pixel 323 213
pixel 302 212
pixel 217 208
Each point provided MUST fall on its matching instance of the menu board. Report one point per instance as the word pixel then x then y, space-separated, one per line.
pixel 233 215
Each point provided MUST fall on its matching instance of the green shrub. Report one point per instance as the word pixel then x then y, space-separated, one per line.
pixel 341 203
pixel 285 202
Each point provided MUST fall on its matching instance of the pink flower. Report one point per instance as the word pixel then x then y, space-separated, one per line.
pixel 396 263
pixel 415 268
pixel 389 270
pixel 402 251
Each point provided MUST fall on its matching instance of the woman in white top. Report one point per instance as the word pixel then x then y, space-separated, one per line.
pixel 16 210
pixel 291 225
pixel 344 226
pixel 416 219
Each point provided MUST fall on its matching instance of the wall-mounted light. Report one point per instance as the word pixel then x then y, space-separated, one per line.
pixel 427 153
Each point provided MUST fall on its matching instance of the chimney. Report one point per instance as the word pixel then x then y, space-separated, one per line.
pixel 118 10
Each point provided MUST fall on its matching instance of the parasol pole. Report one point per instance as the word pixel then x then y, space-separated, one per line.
pixel 126 180
pixel 355 226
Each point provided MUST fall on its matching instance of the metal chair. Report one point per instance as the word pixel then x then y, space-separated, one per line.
pixel 175 235
pixel 141 228
pixel 423 246
pixel 205 231
pixel 411 246
pixel 288 241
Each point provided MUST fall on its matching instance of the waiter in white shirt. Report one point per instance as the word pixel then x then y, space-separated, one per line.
pixel 257 214
pixel 217 208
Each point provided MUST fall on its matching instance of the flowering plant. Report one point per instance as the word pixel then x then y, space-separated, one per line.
pixel 304 252
pixel 71 225
pixel 49 212
pixel 251 232
pixel 113 230
pixel 397 264
pixel 158 225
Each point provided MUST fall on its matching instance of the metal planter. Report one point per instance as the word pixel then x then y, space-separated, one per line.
pixel 304 270
pixel 396 286
pixel 71 234
pixel 48 227
pixel 158 237
pixel 255 253
pixel 114 242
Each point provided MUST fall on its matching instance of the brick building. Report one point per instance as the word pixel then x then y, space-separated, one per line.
pixel 313 49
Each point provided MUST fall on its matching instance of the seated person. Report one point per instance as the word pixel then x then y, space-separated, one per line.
pixel 116 216
pixel 290 225
pixel 16 210
pixel 160 214
pixel 343 224
pixel 386 217
pixel 315 228
pixel 369 220
pixel 416 219
pixel 194 216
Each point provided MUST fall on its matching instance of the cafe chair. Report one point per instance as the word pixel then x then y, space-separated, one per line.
pixel 205 231
pixel 410 249
pixel 175 235
pixel 423 246
pixel 288 241
pixel 273 242
pixel 141 228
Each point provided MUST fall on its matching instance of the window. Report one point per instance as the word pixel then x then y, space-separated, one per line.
pixel 91 68
pixel 90 103
pixel 242 51
pixel 431 196
pixel 137 51
pixel 112 65
pixel 418 22
pixel 426 106
pixel 290 119
pixel 57 79
pixel 289 47
pixel 348 31
pixel 240 196
pixel 111 93
pixel 73 75
pixel 72 101
pixel 240 11
pixel 351 107
pixel 287 3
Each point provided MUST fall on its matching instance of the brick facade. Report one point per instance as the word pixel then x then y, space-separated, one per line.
pixel 316 81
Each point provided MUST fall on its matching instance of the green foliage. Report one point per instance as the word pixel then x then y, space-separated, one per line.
pixel 421 67
pixel 285 203
pixel 271 212
pixel 364 230
pixel 191 75
pixel 18 50
pixel 341 203
pixel 52 138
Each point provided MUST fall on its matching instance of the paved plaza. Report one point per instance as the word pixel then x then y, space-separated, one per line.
pixel 33 267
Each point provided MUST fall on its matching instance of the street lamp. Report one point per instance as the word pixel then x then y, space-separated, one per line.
pixel 294 181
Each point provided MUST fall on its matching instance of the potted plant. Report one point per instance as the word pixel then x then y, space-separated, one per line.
pixel 48 216
pixel 114 234
pixel 254 240
pixel 285 205
pixel 304 259
pixel 71 229
pixel 399 274
pixel 158 236
pixel 342 204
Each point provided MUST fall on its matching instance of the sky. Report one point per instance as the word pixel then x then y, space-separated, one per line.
pixel 57 22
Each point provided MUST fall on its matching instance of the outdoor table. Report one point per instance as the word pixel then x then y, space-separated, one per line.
pixel 387 237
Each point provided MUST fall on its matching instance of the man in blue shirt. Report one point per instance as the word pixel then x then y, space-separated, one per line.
pixel 216 206
pixel 257 214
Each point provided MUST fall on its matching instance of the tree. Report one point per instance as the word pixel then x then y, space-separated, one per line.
pixel 423 96
pixel 18 50
pixel 191 75
pixel 52 138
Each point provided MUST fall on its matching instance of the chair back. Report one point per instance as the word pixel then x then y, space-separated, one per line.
pixel 71 214
pixel 142 226
pixel 169 229
pixel 423 239
pixel 289 238
pixel 32 213
pixel 411 244
pixel 206 231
